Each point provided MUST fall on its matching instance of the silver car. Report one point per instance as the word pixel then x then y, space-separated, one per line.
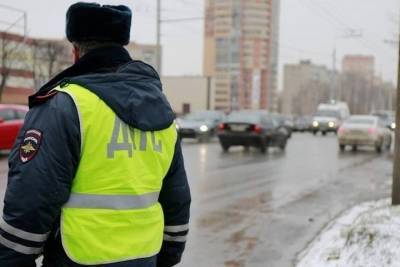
pixel 200 125
pixel 364 130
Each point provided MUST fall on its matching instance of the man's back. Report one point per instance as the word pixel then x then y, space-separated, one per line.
pixel 132 91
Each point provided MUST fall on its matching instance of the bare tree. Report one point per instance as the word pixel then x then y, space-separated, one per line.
pixel 8 49
pixel 48 58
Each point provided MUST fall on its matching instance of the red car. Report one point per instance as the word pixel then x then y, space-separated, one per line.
pixel 11 121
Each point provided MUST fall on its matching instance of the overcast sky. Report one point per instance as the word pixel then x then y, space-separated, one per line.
pixel 309 29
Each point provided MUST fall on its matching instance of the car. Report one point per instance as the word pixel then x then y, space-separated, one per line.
pixel 329 117
pixel 200 125
pixel 387 117
pixel 11 121
pixel 258 129
pixel 364 130
pixel 286 122
pixel 393 123
pixel 303 124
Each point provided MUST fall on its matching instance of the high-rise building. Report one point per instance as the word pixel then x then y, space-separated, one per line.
pixel 241 52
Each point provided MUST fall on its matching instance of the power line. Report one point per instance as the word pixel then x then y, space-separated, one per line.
pixel 182 20
pixel 340 18
pixel 334 18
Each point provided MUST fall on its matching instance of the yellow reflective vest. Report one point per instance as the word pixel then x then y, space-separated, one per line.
pixel 113 213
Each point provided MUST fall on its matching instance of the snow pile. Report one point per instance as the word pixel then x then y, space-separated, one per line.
pixel 368 235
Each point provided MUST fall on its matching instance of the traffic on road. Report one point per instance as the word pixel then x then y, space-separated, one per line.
pixel 255 184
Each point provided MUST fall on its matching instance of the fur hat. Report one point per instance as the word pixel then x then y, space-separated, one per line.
pixel 93 22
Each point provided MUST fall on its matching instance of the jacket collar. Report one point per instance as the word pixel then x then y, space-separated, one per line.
pixel 100 60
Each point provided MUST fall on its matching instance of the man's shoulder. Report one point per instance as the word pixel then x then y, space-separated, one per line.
pixel 56 101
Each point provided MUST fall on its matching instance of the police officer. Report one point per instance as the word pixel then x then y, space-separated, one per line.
pixel 96 176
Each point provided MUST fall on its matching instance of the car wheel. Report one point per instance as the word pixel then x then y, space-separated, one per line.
pixel 355 148
pixel 389 144
pixel 225 147
pixel 283 144
pixel 378 148
pixel 342 147
pixel 263 147
pixel 323 133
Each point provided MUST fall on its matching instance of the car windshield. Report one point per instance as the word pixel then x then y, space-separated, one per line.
pixel 327 113
pixel 7 114
pixel 382 116
pixel 368 121
pixel 201 116
pixel 246 117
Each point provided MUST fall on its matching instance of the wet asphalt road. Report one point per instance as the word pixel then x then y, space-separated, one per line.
pixel 251 209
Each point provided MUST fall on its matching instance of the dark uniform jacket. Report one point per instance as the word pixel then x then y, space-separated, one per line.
pixel 39 183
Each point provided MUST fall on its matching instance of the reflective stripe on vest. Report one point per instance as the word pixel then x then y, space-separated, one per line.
pixel 113 214
pixel 115 202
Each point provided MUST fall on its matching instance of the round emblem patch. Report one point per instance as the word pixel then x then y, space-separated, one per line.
pixel 30 145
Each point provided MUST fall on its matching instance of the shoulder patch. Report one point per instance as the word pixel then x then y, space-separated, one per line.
pixel 30 145
pixel 41 98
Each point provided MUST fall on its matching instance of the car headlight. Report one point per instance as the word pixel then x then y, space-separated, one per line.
pixel 393 125
pixel 203 128
pixel 315 123
pixel 331 124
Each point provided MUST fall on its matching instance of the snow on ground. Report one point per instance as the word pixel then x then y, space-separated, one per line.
pixel 367 235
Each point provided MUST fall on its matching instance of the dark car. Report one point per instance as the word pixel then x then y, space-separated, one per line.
pixel 286 122
pixel 11 121
pixel 258 129
pixel 199 125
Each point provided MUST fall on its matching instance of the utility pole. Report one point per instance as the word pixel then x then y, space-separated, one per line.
pixel 393 43
pixel 396 165
pixel 208 92
pixel 158 53
pixel 333 83
pixel 158 33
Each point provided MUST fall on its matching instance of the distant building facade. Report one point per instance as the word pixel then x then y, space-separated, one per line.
pixel 27 63
pixel 241 52
pixel 362 65
pixel 144 52
pixel 189 93
pixel 305 85
pixel 361 88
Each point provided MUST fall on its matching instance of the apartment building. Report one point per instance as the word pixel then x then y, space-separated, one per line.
pixel 241 52
pixel 305 85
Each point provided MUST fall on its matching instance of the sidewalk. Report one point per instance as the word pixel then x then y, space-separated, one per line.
pixel 366 235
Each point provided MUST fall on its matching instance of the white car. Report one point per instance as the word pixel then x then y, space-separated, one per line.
pixel 364 130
